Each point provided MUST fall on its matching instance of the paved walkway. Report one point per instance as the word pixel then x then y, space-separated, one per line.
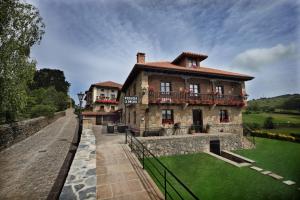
pixel 30 167
pixel 119 173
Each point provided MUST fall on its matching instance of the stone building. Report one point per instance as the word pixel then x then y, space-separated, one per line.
pixel 183 93
pixel 101 102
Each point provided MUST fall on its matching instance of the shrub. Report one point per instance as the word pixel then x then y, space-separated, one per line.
pixel 42 110
pixel 269 124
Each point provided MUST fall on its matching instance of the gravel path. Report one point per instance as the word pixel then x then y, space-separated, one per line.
pixel 30 167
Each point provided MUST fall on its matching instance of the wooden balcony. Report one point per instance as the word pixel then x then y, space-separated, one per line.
pixel 195 98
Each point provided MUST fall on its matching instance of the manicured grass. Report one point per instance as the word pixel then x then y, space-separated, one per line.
pixel 278 118
pixel 284 130
pixel 211 178
pixel 277 156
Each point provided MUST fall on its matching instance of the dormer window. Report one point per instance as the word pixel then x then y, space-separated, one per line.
pixel 192 63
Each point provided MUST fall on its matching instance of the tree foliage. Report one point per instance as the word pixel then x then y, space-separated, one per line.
pixel 45 78
pixel 48 100
pixel 20 28
pixel 292 103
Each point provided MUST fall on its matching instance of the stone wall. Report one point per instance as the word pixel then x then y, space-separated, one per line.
pixel 186 144
pixel 15 132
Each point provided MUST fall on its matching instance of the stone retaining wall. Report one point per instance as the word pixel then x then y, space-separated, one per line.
pixel 81 180
pixel 15 132
pixel 185 144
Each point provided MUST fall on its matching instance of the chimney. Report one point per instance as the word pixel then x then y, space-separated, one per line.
pixel 140 58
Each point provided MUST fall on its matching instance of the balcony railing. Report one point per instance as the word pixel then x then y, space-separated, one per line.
pixel 194 98
pixel 101 99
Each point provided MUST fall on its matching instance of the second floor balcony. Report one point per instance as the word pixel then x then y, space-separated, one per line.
pixel 102 99
pixel 195 98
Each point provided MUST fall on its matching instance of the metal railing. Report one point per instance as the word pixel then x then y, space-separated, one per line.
pixel 172 187
pixel 195 98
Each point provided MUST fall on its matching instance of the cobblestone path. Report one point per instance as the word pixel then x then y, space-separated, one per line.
pixel 30 167
pixel 119 173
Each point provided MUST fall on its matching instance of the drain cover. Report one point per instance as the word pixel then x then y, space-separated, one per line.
pixel 41 151
pixel 62 140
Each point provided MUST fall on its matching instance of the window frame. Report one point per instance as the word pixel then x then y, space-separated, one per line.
pixel 224 116
pixel 220 90
pixel 165 87
pixel 102 109
pixel 192 89
pixel 167 116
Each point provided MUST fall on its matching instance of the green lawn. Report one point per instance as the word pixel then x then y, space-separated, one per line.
pixel 278 118
pixel 277 156
pixel 211 178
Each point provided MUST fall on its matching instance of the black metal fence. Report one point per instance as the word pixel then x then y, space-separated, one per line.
pixel 172 187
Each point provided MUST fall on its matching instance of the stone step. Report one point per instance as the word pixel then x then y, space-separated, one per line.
pixel 256 168
pixel 266 172
pixel 289 182
pixel 276 176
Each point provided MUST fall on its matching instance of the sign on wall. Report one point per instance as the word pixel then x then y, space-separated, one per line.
pixel 131 100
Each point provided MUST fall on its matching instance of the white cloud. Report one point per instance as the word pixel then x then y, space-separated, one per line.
pixel 253 59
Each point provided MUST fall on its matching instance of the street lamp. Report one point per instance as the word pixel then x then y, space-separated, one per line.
pixel 80 98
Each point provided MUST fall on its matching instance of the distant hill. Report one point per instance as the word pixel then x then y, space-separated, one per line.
pixel 282 102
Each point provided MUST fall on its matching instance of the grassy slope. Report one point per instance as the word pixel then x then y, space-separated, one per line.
pixel 210 178
pixel 274 102
pixel 213 179
pixel 278 156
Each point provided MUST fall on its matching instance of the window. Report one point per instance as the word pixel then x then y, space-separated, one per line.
pixel 102 96
pixel 220 91
pixel 112 90
pixel 113 96
pixel 224 116
pixel 192 63
pixel 112 108
pixel 101 108
pixel 102 90
pixel 167 117
pixel 194 90
pixel 134 117
pixel 165 87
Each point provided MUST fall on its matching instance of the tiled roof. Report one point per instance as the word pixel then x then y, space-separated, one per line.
pixel 202 70
pixel 191 55
pixel 108 84
pixel 173 68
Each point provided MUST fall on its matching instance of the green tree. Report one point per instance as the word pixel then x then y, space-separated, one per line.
pixel 50 77
pixel 293 103
pixel 20 28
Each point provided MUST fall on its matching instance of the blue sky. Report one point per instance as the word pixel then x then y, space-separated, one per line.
pixel 97 40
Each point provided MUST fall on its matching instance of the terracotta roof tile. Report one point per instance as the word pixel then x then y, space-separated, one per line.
pixel 202 70
pixel 108 84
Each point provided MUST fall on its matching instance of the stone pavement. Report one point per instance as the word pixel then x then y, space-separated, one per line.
pixel 81 180
pixel 119 173
pixel 29 168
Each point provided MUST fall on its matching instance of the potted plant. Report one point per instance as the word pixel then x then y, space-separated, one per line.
pixel 192 130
